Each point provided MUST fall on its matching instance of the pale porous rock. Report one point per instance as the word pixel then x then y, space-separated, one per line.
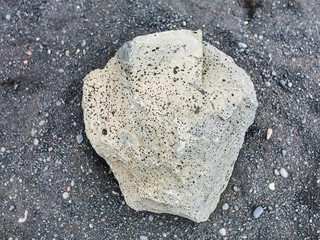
pixel 169 113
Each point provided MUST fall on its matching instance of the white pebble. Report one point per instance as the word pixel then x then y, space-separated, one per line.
pixel 269 133
pixel 276 172
pixel 235 188
pixel 23 219
pixel 58 103
pixel 272 186
pixel 42 122
pixel 150 218
pixel 36 142
pixel 65 195
pixel 90 225
pixel 223 232
pixel 8 17
pixel 3 149
pixel 61 70
pixel 242 45
pixel 284 173
pixel 225 206
pixel 142 237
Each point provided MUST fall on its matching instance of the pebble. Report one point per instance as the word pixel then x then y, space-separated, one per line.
pixel 11 208
pixel 223 232
pixel 274 73
pixel 8 17
pixel 58 103
pixel 269 133
pixel 289 84
pixel 143 237
pixel 257 212
pixel 242 45
pixel 61 70
pixel 284 152
pixel 282 83
pixel 3 149
pixel 151 218
pixel 23 219
pixel 29 53
pixel 36 142
pixel 236 208
pixel 90 225
pixel 225 206
pixel 271 186
pixel 25 62
pixel 268 84
pixel 284 173
pixel 79 139
pixel 65 195
pixel 276 172
pixel 42 122
pixel 33 132
pixel 235 188
pixel 184 23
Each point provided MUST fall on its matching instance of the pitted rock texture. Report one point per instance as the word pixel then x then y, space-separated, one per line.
pixel 169 113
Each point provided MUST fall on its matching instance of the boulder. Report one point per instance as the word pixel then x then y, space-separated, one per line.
pixel 169 113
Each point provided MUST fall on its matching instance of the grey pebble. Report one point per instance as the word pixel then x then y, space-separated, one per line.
pixel 284 152
pixel 257 212
pixel 79 139
pixel 268 84
pixel 282 83
pixel 33 132
pixel 151 218
pixel 142 237
pixel 58 103
pixel 236 208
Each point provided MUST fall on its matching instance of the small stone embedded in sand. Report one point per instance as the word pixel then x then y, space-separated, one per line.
pixel 169 113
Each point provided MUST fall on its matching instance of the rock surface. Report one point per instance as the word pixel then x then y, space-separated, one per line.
pixel 169 113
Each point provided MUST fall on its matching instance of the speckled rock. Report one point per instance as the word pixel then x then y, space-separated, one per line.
pixel 169 113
